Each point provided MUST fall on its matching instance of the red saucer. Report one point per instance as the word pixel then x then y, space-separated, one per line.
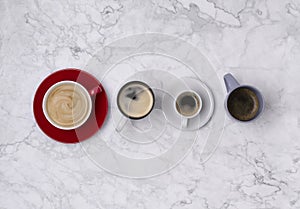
pixel 96 119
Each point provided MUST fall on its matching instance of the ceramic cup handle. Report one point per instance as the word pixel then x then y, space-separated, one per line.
pixel 184 122
pixel 121 123
pixel 230 82
pixel 94 91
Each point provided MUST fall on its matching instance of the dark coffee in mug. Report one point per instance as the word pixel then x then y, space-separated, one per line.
pixel 243 104
pixel 135 99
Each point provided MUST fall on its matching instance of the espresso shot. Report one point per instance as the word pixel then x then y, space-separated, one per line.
pixel 188 104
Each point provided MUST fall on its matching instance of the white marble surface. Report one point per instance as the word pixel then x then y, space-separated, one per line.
pixel 255 166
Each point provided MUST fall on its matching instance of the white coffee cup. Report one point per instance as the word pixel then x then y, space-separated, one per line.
pixel 135 101
pixel 188 105
pixel 87 106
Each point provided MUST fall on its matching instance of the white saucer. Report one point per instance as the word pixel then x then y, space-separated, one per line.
pixel 207 105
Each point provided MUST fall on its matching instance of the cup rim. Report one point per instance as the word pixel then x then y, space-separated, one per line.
pixel 258 115
pixel 46 97
pixel 153 97
pixel 199 109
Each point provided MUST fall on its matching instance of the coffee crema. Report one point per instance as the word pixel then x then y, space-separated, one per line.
pixel 135 100
pixel 187 104
pixel 67 105
pixel 243 104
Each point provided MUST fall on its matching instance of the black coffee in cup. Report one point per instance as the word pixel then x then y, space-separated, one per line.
pixel 135 100
pixel 243 104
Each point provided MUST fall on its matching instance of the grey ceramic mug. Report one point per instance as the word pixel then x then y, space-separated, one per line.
pixel 232 86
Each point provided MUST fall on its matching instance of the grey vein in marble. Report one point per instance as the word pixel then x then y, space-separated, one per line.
pixel 255 166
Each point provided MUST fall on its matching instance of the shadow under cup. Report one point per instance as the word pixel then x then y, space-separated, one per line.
pixel 245 103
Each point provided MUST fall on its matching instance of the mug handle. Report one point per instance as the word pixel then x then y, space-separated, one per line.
pixel 184 122
pixel 94 91
pixel 121 123
pixel 230 82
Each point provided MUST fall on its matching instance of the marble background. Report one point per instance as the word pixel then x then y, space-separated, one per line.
pixel 256 165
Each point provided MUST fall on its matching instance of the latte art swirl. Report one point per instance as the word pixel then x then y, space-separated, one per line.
pixel 67 105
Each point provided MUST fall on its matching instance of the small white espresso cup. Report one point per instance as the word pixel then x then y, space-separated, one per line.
pixel 87 101
pixel 188 105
